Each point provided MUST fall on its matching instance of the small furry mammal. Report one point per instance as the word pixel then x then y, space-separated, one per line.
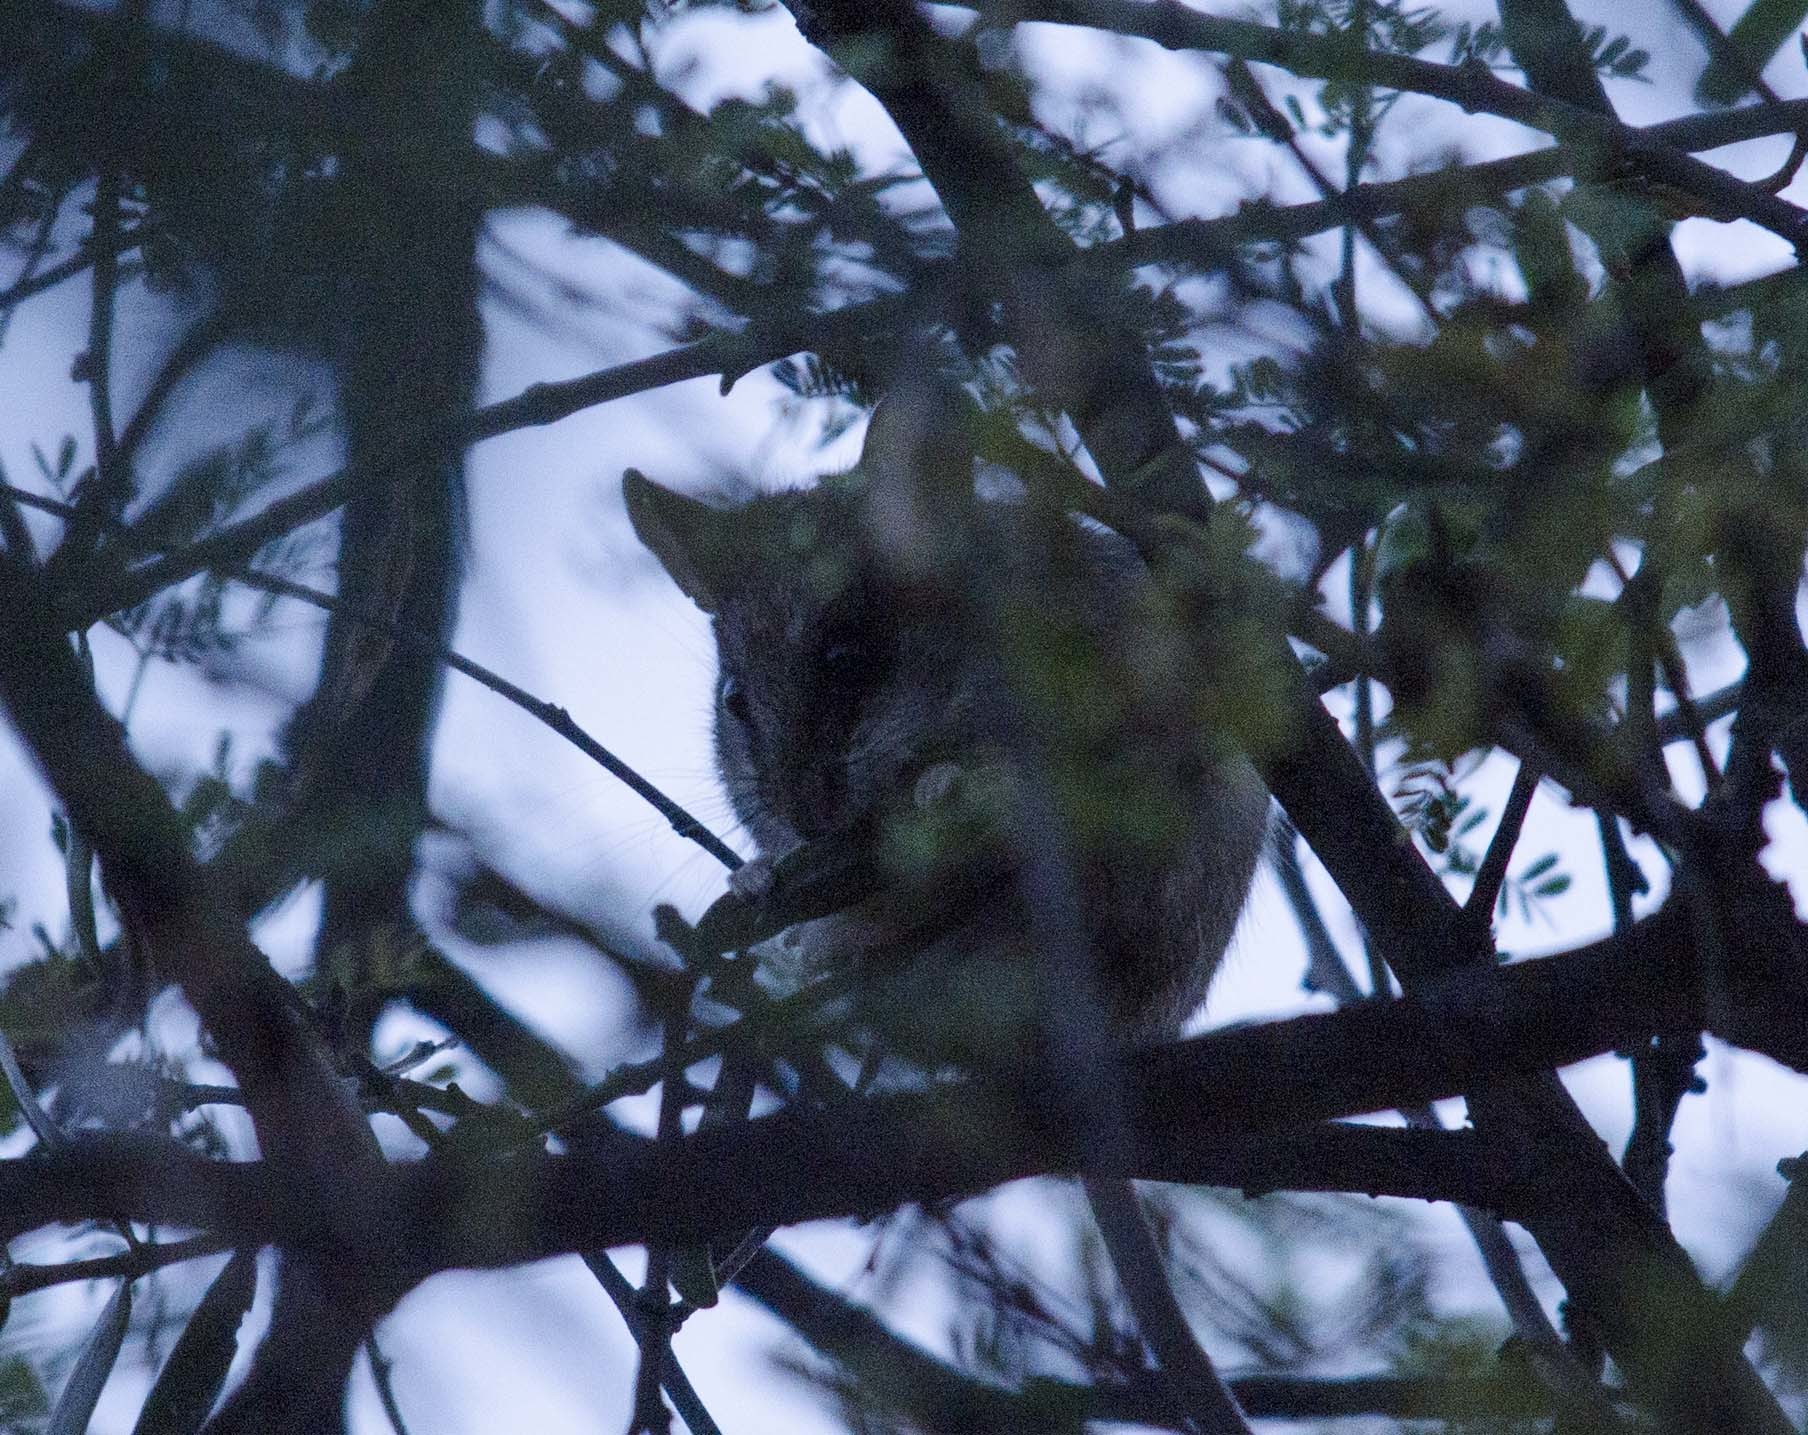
pixel 858 683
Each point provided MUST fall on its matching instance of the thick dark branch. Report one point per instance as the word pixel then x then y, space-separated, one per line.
pixel 1231 1108
pixel 303 1115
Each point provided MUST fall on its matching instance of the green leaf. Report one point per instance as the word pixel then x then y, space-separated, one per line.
pixel 23 1403
pixel 75 1406
pixel 693 1276
pixel 196 1369
pixel 1539 868
pixel 1757 35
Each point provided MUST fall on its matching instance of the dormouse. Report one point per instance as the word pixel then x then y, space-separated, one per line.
pixel 888 648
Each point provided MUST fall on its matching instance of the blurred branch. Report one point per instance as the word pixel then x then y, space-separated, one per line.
pixel 404 236
pixel 1183 1368
pixel 730 355
pixel 896 1373
pixel 1223 1109
pixel 1731 68
pixel 1767 1290
pixel 195 345
pixel 1558 1369
pixel 1175 26
pixel 103 494
pixel 1325 971
pixel 143 847
pixel 305 1121
pixel 64 269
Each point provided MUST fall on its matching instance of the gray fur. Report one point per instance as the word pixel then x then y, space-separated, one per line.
pixel 811 738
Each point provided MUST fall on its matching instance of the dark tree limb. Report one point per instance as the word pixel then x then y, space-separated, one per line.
pixel 1556 1366
pixel 1231 1108
pixel 304 1117
pixel 407 231
pixel 301 1111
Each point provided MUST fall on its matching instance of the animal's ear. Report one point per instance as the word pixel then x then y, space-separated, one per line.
pixel 918 465
pixel 921 435
pixel 690 539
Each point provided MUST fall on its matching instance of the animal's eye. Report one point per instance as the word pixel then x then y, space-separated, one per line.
pixel 734 700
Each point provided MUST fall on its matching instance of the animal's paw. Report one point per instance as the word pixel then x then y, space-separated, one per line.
pixel 753 879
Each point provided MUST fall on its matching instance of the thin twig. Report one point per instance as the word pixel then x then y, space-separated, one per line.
pixel 33 1111
pixel 726 354
pixel 147 1256
pixel 37 283
pixel 654 1303
pixel 98 361
pixel 1325 971
pixel 1176 26
pixel 195 345
pixel 550 714
pixel 1492 874
pixel 34 256
pixel 684 1397
pixel 381 1368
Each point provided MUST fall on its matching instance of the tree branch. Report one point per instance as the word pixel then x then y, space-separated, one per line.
pixel 303 1115
pixel 1175 26
pixel 1229 1108
pixel 730 355
pixel 898 1374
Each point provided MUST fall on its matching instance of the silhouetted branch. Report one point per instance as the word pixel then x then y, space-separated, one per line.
pixel 898 1374
pixel 730 355
pixel 1175 26
pixel 1493 871
pixel 21 1278
pixel 1230 1108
